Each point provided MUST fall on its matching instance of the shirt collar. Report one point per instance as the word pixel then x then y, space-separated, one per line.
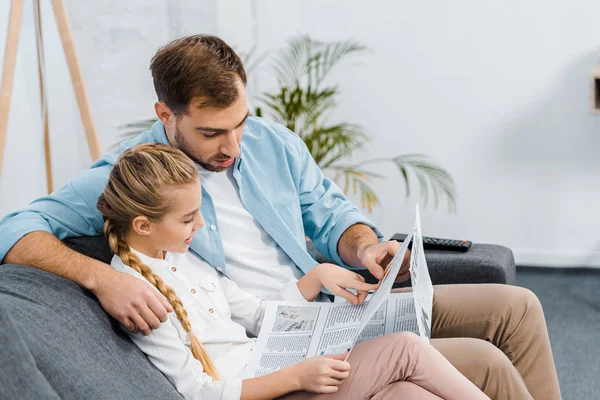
pixel 151 261
pixel 159 134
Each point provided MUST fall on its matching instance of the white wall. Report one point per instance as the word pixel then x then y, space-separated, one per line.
pixel 497 93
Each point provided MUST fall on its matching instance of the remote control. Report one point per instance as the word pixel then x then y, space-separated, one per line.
pixel 431 243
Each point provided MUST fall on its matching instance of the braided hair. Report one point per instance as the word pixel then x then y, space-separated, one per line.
pixel 138 185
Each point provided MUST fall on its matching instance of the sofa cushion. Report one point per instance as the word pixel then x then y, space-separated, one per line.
pixel 65 345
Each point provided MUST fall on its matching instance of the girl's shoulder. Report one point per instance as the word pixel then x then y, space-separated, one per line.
pixel 120 266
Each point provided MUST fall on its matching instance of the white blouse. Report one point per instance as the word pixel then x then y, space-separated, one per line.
pixel 219 312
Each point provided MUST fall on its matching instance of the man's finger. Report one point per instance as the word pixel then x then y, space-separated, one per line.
pixel 149 316
pixel 375 269
pixel 160 306
pixel 402 276
pixel 163 300
pixel 129 325
pixel 387 252
pixel 141 324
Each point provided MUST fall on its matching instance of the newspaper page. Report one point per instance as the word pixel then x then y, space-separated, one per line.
pixel 376 304
pixel 421 282
pixel 292 332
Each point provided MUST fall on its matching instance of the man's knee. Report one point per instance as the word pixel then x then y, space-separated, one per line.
pixel 525 309
pixel 490 360
pixel 528 300
pixel 480 361
pixel 494 373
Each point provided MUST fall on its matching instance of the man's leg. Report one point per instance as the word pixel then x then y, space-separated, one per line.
pixel 484 365
pixel 509 317
pixel 405 390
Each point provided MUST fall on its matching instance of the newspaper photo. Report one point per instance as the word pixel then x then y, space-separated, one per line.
pixel 292 332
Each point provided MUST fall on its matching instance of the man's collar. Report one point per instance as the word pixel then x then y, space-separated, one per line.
pixel 159 133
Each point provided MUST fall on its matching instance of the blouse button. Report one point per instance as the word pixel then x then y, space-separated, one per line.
pixel 173 269
pixel 193 291
pixel 210 310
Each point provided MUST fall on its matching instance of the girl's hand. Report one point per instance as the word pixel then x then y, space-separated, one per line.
pixel 321 374
pixel 338 280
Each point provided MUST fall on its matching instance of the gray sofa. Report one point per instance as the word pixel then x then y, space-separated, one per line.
pixel 56 342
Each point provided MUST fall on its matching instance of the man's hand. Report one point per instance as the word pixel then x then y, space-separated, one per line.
pixel 134 303
pixel 376 257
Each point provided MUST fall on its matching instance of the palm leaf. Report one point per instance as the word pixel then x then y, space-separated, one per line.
pixel 431 177
pixel 358 180
pixel 309 61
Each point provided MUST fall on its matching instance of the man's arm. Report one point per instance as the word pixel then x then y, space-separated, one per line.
pixel 359 246
pixel 115 290
pixel 353 242
pixel 335 225
pixel 44 251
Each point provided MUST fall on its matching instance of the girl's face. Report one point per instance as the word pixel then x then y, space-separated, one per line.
pixel 175 231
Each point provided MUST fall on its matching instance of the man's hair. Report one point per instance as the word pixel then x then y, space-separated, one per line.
pixel 198 67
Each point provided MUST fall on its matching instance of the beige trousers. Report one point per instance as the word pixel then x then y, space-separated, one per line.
pixel 496 336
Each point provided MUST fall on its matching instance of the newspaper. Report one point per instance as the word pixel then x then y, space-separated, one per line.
pixel 292 332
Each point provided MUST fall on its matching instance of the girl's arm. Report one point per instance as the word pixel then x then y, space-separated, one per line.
pixel 248 310
pixel 321 374
pixel 337 280
pixel 271 386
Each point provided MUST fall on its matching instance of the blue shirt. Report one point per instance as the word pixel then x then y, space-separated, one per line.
pixel 279 182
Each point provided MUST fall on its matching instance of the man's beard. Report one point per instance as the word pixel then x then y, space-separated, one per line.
pixel 184 146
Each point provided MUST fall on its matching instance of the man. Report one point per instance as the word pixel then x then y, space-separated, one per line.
pixel 262 195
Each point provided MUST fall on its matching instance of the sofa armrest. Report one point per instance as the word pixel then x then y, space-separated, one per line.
pixel 482 263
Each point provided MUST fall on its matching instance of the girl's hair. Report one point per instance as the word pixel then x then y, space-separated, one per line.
pixel 139 185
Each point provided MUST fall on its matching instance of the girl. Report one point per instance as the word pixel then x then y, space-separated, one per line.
pixel 151 209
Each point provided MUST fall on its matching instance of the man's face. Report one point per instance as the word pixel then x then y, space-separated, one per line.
pixel 210 136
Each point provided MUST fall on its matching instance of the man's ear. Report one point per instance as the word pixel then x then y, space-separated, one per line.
pixel 142 226
pixel 163 113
